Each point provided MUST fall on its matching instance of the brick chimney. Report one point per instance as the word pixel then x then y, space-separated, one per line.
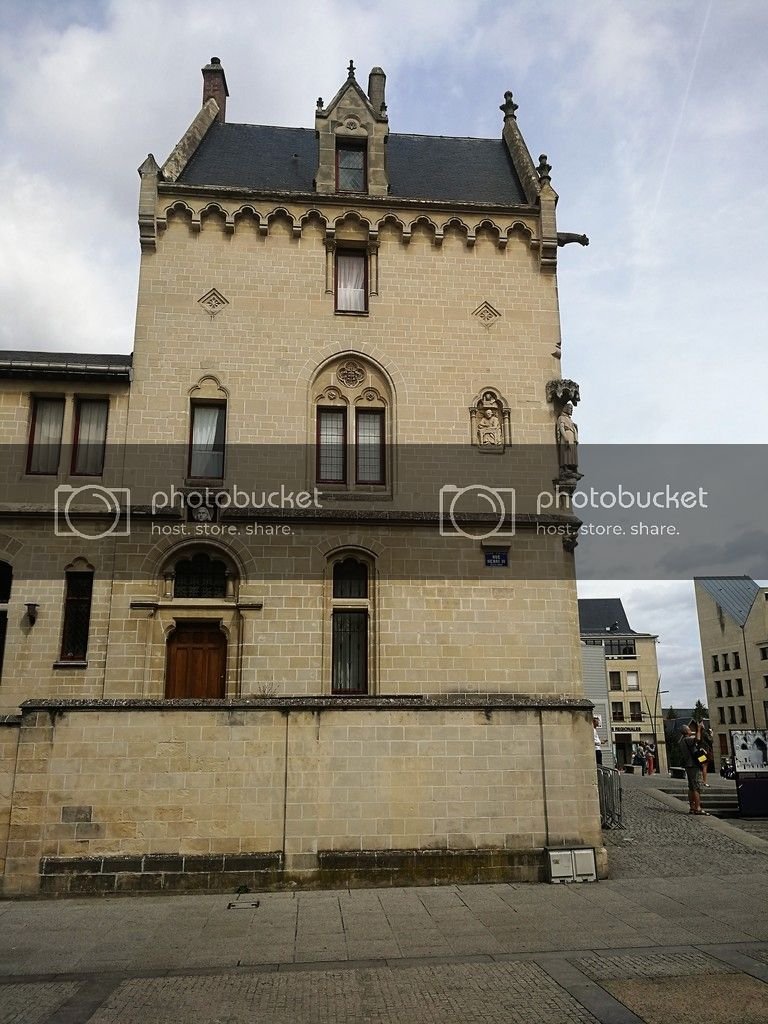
pixel 215 85
pixel 376 82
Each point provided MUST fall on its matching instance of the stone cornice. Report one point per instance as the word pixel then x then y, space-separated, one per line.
pixel 487 702
pixel 313 199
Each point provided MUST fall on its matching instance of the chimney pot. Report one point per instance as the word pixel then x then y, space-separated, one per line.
pixel 377 80
pixel 215 87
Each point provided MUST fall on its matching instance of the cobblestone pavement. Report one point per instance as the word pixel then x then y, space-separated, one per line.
pixel 682 915
pixel 660 842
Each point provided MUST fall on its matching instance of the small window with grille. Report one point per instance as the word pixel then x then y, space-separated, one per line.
pixel 200 576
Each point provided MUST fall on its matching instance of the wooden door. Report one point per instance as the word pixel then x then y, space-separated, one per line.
pixel 196 661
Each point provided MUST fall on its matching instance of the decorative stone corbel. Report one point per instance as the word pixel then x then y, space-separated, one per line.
pixel 561 391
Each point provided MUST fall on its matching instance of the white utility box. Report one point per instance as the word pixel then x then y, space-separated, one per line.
pixel 572 864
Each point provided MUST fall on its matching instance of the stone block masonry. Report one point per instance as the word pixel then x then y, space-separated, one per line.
pixel 116 796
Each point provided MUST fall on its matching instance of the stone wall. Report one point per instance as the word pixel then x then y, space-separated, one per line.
pixel 470 789
pixel 9 738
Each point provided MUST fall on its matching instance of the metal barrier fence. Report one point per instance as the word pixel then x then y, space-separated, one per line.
pixel 609 790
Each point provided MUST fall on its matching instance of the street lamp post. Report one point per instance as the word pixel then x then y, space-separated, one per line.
pixel 654 718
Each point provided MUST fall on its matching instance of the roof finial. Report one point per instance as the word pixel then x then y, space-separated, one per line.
pixel 508 106
pixel 351 70
pixel 319 102
pixel 544 168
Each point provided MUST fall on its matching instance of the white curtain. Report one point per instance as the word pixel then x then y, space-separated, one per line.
pixel 207 442
pixel 46 439
pixel 91 437
pixel 351 281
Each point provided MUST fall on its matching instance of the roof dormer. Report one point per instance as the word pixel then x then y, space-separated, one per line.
pixel 351 138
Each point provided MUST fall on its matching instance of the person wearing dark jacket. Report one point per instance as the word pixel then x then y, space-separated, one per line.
pixel 688 745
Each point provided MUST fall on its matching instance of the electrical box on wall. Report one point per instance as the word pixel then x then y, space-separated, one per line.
pixel 572 864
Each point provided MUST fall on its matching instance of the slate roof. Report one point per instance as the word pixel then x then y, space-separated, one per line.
pixel 597 615
pixel 25 363
pixel 734 594
pixel 427 167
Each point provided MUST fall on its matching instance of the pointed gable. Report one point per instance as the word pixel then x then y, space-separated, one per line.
pixel 351 124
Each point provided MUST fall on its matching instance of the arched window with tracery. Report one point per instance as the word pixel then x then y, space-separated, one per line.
pixel 353 409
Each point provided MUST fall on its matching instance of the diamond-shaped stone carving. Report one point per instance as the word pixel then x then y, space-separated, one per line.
pixel 486 314
pixel 213 302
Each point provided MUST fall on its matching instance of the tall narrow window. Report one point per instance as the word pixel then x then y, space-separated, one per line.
pixel 614 680
pixel 736 660
pixel 633 681
pixel 90 436
pixel 350 620
pixel 721 715
pixel 45 436
pixel 351 281
pixel 617 711
pixel 331 446
pixel 635 711
pixel 77 616
pixel 6 580
pixel 206 448
pixel 351 167
pixel 370 446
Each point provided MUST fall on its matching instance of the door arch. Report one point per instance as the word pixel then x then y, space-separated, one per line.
pixel 196 660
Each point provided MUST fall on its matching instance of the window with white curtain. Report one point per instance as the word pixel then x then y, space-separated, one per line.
pixel 206 449
pixel 90 436
pixel 351 281
pixel 45 436
pixel 332 446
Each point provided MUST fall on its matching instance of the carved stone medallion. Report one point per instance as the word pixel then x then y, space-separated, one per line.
pixel 351 374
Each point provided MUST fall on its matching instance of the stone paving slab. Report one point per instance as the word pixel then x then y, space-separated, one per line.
pixel 433 994
pixel 33 1003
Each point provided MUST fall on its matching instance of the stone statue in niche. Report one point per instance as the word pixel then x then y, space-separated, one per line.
pixel 489 425
pixel 567 435
pixel 489 415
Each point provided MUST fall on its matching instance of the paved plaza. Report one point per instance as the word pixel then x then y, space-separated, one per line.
pixel 678 933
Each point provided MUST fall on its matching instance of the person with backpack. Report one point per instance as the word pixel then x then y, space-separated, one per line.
pixel 689 746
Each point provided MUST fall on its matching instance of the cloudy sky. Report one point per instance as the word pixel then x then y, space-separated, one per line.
pixel 652 112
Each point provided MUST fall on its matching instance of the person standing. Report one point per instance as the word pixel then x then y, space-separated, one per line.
pixel 598 743
pixel 688 744
pixel 650 757
pixel 708 744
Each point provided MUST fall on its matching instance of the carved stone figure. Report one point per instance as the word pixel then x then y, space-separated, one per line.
pixel 489 427
pixel 567 434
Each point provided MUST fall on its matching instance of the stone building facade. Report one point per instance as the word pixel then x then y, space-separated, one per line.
pixel 634 692
pixel 253 634
pixel 733 628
